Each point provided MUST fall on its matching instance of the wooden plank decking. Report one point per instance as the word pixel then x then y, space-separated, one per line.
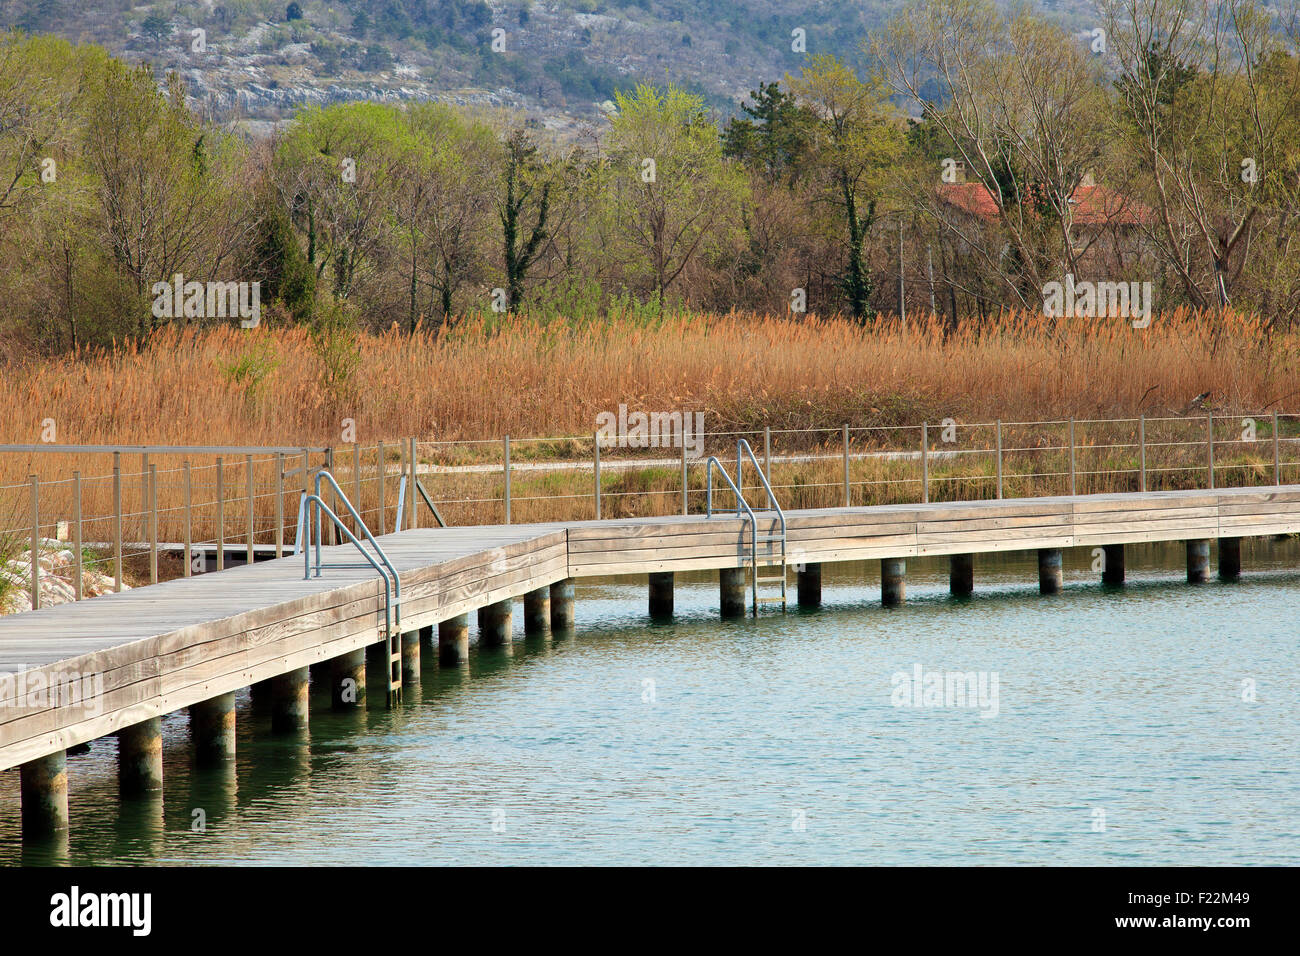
pixel 167 646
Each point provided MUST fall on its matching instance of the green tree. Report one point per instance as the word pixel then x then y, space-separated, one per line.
pixel 777 136
pixel 671 189
pixel 336 170
pixel 855 141
pixel 527 187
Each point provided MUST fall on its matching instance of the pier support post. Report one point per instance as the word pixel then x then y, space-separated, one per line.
pixel 212 728
pixel 731 588
pixel 1050 575
pixel 411 657
pixel 494 622
pixel 348 680
pixel 139 758
pixel 809 584
pixel 1198 561
pixel 1229 559
pixel 961 575
pixel 44 788
pixel 259 692
pixel 893 581
pixel 537 612
pixel 1112 568
pixel 562 605
pixel 661 595
pixel 289 710
pixel 453 641
pixel 320 673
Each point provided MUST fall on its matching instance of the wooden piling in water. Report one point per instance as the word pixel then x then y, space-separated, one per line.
pixel 809 584
pixel 494 624
pixel 893 581
pixel 1229 559
pixel 411 657
pixel 731 591
pixel 43 785
pixel 1112 568
pixel 139 758
pixel 537 612
pixel 562 605
pixel 348 680
pixel 212 728
pixel 289 701
pixel 661 595
pixel 1051 578
pixel 453 641
pixel 961 575
pixel 1198 561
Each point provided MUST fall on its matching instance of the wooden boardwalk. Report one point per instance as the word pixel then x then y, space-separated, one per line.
pixel 158 649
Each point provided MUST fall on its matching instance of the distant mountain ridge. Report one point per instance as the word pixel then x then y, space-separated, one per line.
pixel 558 61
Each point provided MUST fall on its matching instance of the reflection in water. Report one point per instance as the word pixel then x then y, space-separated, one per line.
pixel 774 740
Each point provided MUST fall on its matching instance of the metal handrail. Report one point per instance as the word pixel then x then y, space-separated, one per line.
pixel 773 504
pixel 392 613
pixel 323 474
pixel 740 503
pixel 313 505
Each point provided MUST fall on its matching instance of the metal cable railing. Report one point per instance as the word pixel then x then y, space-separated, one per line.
pixel 240 503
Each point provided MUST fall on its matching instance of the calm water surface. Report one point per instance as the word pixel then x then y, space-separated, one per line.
pixel 1121 736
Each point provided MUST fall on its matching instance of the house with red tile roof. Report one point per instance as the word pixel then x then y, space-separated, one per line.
pixel 1095 207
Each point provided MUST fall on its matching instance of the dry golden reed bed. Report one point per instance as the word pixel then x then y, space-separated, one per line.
pixel 482 380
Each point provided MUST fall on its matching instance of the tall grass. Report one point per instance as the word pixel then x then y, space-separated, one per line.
pixel 485 378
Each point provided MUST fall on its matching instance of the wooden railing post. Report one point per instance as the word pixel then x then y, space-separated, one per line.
pixel 595 445
pixel 925 464
pixel 117 521
pixel 848 497
pixel 381 468
pixel 221 516
pixel 1209 446
pixel 77 558
pixel 767 461
pixel 1277 453
pixel 36 543
pixel 252 500
pixel 999 457
pixel 333 532
pixel 188 494
pixel 153 524
pixel 1073 487
pixel 356 485
pixel 279 504
pixel 686 508
pixel 1142 450
pixel 410 487
pixel 506 469
pixel 144 498
pixel 399 519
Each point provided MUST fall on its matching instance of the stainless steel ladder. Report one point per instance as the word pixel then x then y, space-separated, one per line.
pixel 774 544
pixel 310 509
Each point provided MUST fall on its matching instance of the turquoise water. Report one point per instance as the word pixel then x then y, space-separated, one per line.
pixel 1121 736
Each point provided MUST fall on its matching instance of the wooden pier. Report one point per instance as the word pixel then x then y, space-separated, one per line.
pixel 76 672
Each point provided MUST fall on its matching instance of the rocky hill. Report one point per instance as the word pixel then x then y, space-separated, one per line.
pixel 559 61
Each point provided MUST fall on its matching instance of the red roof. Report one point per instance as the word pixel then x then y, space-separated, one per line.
pixel 1093 205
